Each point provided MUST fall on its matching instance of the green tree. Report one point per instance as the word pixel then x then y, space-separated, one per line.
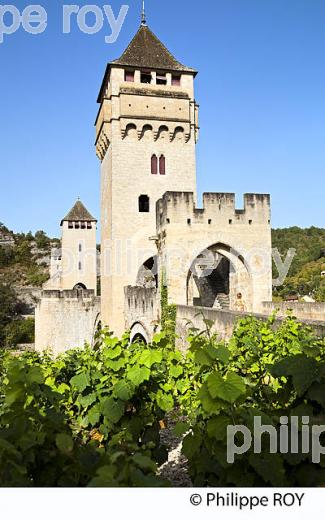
pixel 42 240
pixel 7 256
pixel 19 331
pixel 8 302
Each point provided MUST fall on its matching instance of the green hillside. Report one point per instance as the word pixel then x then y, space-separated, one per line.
pixel 304 277
pixel 24 258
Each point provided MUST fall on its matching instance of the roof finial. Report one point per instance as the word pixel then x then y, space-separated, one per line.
pixel 143 16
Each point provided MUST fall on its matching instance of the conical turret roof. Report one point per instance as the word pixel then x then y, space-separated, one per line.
pixel 147 51
pixel 78 213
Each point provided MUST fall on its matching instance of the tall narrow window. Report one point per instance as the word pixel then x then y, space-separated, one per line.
pixel 129 75
pixel 154 165
pixel 162 165
pixel 176 80
pixel 144 206
pixel 80 248
pixel 79 266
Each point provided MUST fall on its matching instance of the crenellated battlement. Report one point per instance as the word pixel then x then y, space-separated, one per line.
pixel 75 294
pixel 218 208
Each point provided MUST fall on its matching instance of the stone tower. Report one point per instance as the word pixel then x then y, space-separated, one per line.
pixel 79 261
pixel 146 134
pixel 68 311
pixel 75 265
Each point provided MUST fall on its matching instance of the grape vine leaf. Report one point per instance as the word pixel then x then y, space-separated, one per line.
pixel 229 388
pixel 138 375
pixel 113 409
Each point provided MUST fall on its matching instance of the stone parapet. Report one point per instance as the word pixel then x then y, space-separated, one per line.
pixel 179 207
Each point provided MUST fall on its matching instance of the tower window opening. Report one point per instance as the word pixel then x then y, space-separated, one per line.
pixel 161 79
pixel 154 165
pixel 79 266
pixel 77 225
pixel 146 77
pixel 80 287
pixel 88 225
pixel 129 76
pixel 176 80
pixel 144 205
pixel 83 225
pixel 80 248
pixel 70 225
pixel 162 165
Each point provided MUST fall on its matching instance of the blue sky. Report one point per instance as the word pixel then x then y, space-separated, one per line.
pixel 260 87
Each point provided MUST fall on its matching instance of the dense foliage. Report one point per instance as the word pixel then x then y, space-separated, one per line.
pixel 264 372
pixel 13 330
pixel 92 417
pixel 304 277
pixel 88 417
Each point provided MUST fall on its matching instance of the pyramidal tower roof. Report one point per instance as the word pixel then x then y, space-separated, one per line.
pixel 147 51
pixel 78 213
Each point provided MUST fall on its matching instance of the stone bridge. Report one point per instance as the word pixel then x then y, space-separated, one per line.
pixel 142 313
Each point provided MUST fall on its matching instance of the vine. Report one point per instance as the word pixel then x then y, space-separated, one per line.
pixel 92 417
pixel 168 311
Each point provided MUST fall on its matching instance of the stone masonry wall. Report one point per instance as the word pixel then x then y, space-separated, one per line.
pixel 223 322
pixel 302 310
pixel 65 320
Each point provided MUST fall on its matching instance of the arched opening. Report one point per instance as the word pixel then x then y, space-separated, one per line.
pixel 148 274
pixel 144 204
pixel 209 277
pixel 138 338
pixel 147 132
pixel 179 133
pixel 131 131
pixel 80 287
pixel 163 132
pixel 219 278
pixel 139 334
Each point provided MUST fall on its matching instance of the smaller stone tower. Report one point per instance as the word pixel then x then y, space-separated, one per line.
pixel 68 311
pixel 75 266
pixel 79 257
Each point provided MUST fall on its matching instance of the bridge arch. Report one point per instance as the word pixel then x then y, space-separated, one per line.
pixel 139 332
pixel 80 287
